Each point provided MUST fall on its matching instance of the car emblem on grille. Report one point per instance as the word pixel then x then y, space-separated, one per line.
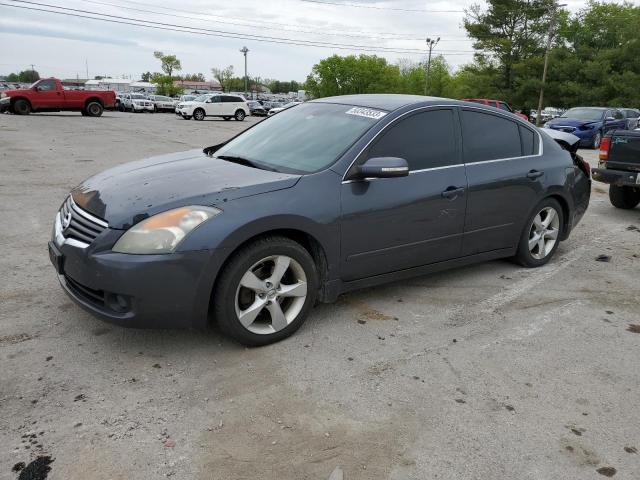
pixel 66 221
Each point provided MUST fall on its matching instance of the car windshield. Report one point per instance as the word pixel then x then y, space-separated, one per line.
pixel 305 139
pixel 583 114
pixel 290 104
pixel 202 98
pixel 138 96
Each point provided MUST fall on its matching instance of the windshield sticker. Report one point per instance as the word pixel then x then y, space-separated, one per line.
pixel 366 112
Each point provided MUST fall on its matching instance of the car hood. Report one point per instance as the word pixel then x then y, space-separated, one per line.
pixel 570 122
pixel 10 93
pixel 129 193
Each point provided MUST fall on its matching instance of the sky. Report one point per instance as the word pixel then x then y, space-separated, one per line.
pixel 67 47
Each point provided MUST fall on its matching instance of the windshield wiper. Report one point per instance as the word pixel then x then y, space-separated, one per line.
pixel 244 161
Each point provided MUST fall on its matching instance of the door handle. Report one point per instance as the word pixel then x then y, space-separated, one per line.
pixel 452 192
pixel 533 174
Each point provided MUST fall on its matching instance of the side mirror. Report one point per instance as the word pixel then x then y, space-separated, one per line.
pixel 384 167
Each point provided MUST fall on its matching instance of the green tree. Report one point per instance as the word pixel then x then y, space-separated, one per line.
pixel 192 77
pixel 224 76
pixel 165 85
pixel 25 76
pixel 146 76
pixel 169 63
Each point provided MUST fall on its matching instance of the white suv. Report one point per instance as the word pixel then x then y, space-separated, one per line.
pixel 137 102
pixel 214 105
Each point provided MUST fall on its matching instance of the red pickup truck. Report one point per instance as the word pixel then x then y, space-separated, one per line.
pixel 48 95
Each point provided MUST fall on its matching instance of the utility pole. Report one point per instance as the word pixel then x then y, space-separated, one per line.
pixel 86 66
pixel 430 43
pixel 245 50
pixel 550 35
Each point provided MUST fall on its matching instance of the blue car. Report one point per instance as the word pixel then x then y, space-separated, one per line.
pixel 589 124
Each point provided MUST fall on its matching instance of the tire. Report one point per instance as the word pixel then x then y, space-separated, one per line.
pixel 155 109
pixel 254 264
pixel 198 114
pixel 21 107
pixel 94 109
pixel 624 197
pixel 227 118
pixel 597 138
pixel 547 231
pixel 240 115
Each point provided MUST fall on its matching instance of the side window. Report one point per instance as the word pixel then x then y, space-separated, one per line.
pixel 424 140
pixel 489 137
pixel 215 99
pixel 46 85
pixel 504 106
pixel 617 114
pixel 527 138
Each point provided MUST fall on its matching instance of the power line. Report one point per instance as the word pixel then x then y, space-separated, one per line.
pixel 373 7
pixel 215 33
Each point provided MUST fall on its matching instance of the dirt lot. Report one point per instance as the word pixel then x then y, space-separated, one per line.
pixel 485 372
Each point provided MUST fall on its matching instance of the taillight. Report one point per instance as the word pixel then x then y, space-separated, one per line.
pixel 605 145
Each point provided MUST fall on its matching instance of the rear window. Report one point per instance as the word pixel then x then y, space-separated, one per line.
pixel 489 137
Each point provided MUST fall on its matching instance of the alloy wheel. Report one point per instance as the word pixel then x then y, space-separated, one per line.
pixel 543 234
pixel 271 294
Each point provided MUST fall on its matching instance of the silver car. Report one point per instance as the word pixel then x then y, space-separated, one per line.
pixel 163 104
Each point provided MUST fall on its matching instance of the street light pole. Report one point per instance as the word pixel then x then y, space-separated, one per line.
pixel 430 43
pixel 245 50
pixel 551 34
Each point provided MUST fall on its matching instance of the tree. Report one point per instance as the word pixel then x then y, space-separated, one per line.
pixel 193 77
pixel 507 32
pixel 169 63
pixel 338 75
pixel 223 76
pixel 146 76
pixel 165 85
pixel 25 76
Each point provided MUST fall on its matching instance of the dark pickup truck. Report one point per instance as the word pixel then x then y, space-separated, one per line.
pixel 619 166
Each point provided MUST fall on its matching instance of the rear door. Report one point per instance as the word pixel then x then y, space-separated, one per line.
pixel 397 223
pixel 505 173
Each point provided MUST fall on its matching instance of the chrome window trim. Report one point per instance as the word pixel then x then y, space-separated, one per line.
pixel 498 112
pixel 87 215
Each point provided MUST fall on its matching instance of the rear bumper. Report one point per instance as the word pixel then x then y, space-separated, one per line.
pixel 620 178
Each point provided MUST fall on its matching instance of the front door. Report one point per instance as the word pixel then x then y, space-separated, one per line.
pixel 392 224
pixel 213 106
pixel 505 174
pixel 46 95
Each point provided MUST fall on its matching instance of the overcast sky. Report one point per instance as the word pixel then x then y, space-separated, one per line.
pixel 59 45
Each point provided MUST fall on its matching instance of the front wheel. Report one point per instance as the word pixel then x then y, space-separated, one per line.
pixel 624 197
pixel 21 107
pixel 198 114
pixel 597 139
pixel 239 116
pixel 541 236
pixel 266 291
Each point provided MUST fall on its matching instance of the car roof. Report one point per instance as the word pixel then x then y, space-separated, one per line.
pixel 596 108
pixel 385 101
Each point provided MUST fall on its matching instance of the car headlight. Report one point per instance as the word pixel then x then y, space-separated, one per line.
pixel 163 232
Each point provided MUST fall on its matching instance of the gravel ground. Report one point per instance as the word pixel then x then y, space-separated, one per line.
pixel 485 372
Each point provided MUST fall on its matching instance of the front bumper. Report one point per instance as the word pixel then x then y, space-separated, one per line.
pixel 141 108
pixel 620 178
pixel 138 291
pixel 585 136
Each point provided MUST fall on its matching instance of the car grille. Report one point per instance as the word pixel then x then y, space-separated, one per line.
pixel 96 297
pixel 78 224
pixel 564 128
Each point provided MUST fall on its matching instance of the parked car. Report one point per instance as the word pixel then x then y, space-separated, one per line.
pixel 214 105
pixel 409 185
pixel 163 104
pixel 619 166
pixel 497 104
pixel 256 109
pixel 633 117
pixel 137 103
pixel 48 95
pixel 275 110
pixel 590 124
pixel 187 98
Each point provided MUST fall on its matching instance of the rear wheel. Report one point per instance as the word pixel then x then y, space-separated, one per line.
pixel 198 114
pixel 624 197
pixel 597 138
pixel 266 291
pixel 94 109
pixel 21 107
pixel 541 237
pixel 239 116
